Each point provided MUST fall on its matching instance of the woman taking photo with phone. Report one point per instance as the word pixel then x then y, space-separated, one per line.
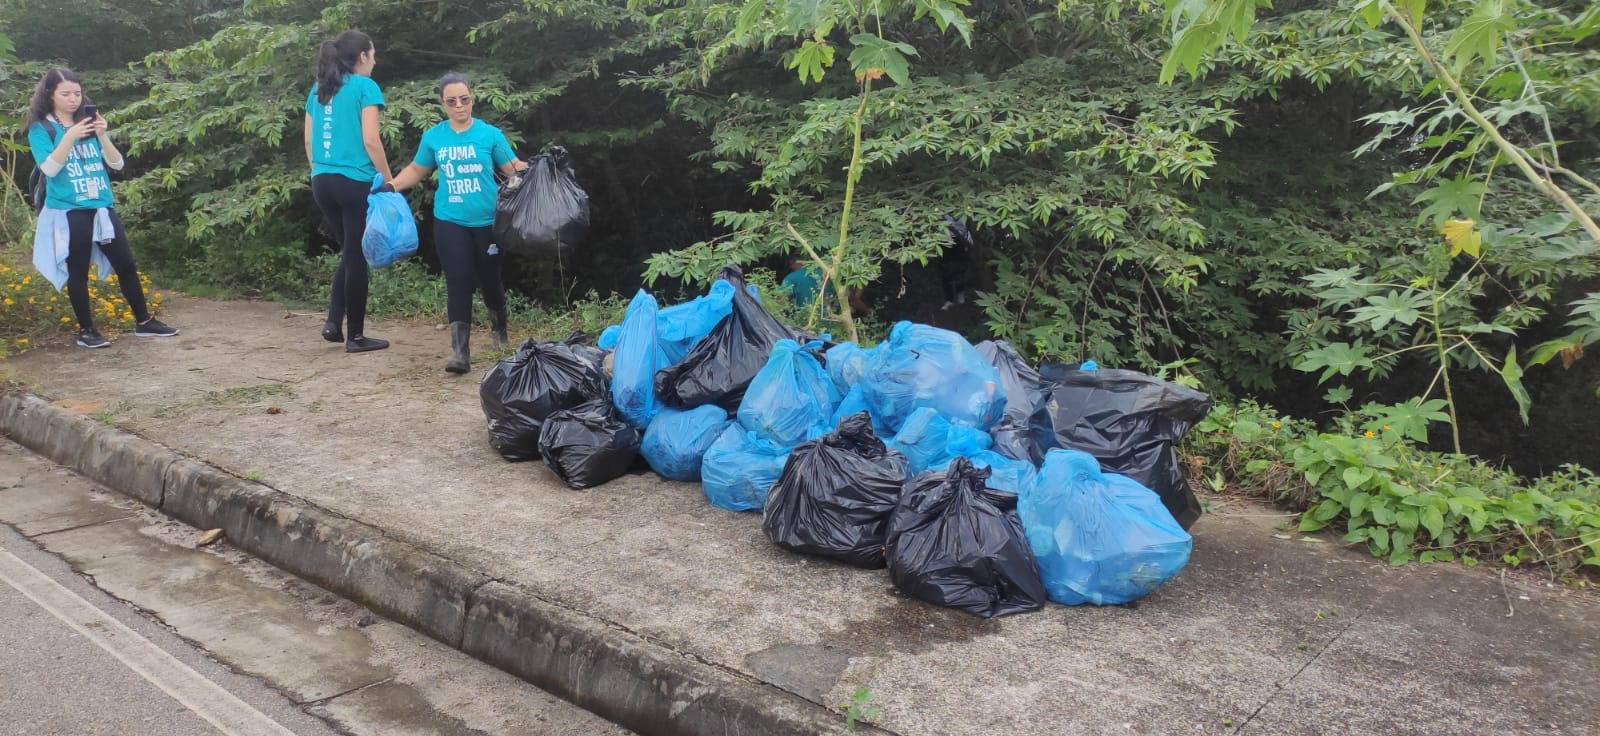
pixel 466 151
pixel 345 153
pixel 72 148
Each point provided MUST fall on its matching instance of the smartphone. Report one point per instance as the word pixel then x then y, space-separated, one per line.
pixel 91 111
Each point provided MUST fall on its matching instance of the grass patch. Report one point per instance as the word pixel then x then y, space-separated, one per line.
pixel 248 394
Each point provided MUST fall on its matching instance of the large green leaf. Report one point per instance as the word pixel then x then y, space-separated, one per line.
pixel 1480 35
pixel 1462 194
pixel 873 55
pixel 1403 307
pixel 812 59
pixel 1210 23
pixel 1340 358
pixel 1511 374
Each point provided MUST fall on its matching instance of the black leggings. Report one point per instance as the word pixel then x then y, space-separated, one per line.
pixel 343 202
pixel 468 266
pixel 80 246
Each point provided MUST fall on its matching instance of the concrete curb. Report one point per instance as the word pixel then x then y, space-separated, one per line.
pixel 633 681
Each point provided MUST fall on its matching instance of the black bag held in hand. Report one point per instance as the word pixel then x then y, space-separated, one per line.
pixel 589 444
pixel 836 494
pixel 1129 422
pixel 539 380
pixel 719 368
pixel 542 210
pixel 954 542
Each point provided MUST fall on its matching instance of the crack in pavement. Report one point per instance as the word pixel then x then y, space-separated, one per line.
pixel 1281 687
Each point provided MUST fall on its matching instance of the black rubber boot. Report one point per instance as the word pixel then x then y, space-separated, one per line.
pixel 460 336
pixel 497 328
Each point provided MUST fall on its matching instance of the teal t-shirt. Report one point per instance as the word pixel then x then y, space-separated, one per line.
pixel 82 183
pixel 336 146
pixel 466 162
pixel 803 284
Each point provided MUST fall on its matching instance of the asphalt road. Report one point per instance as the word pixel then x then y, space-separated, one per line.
pixel 76 661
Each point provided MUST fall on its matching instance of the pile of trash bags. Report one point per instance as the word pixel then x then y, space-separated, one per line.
pixel 978 481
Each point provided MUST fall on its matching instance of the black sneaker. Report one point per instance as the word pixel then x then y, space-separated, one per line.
pixel 154 328
pixel 331 331
pixel 364 344
pixel 91 338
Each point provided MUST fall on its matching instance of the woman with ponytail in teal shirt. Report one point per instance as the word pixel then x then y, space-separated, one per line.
pixel 346 153
pixel 466 152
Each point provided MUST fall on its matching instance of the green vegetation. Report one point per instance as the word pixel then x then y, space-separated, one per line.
pixel 1369 476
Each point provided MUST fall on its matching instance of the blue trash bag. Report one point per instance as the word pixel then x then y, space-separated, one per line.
pixel 854 401
pixel 789 397
pixel 928 367
pixel 847 362
pixel 608 337
pixel 930 441
pixel 391 233
pixel 1099 537
pixel 740 468
pixel 676 442
pixel 635 362
pixel 1005 474
pixel 680 326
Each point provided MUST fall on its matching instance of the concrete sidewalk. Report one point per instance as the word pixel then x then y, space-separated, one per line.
pixel 644 603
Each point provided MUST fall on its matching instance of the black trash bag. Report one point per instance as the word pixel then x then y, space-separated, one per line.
pixel 1014 439
pixel 836 494
pixel 518 393
pixel 589 444
pixel 1129 422
pixel 957 543
pixel 542 210
pixel 718 369
pixel 1024 390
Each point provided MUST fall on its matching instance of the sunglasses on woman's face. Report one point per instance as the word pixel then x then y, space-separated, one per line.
pixel 461 101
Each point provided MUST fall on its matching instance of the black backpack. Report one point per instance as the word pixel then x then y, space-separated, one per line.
pixel 36 182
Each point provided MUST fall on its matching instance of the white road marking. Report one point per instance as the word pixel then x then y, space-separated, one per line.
pixel 208 700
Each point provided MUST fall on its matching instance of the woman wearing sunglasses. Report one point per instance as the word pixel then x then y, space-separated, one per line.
pixel 466 151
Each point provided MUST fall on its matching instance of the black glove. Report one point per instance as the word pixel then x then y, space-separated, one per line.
pixel 386 187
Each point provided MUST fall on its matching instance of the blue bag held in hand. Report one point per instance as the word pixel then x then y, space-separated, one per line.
pixel 928 367
pixel 635 362
pixel 1100 538
pixel 789 397
pixel 676 442
pixel 740 469
pixel 391 233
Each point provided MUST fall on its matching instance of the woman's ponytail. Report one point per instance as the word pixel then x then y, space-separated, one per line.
pixel 335 59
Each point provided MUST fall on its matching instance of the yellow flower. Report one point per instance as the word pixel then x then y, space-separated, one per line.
pixel 22 342
pixel 9 301
pixel 27 280
pixel 1276 425
pixel 1385 427
pixel 1370 433
pixel 64 319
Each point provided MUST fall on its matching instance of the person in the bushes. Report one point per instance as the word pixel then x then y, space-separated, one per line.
pixel 346 154
pixel 466 152
pixel 78 225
